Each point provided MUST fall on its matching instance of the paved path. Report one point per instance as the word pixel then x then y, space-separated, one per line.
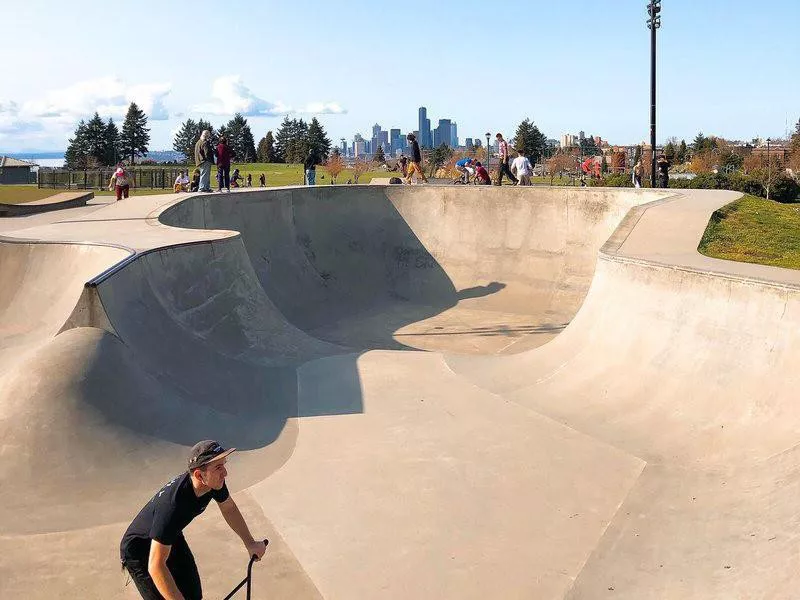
pixel 597 409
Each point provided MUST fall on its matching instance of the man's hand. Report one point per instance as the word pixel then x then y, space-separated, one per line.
pixel 256 548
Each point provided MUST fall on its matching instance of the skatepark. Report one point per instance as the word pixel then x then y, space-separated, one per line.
pixel 436 392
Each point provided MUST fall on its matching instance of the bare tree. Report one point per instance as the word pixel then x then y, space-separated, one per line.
pixel 360 167
pixel 559 163
pixel 334 166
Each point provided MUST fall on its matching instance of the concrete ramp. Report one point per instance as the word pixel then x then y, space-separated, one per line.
pixel 438 392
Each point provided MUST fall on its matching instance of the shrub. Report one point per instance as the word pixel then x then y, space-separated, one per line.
pixel 784 189
pixel 618 180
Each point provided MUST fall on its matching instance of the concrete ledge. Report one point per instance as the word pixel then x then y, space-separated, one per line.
pixel 54 202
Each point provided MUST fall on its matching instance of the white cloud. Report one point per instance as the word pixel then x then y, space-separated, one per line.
pixel 322 108
pixel 230 95
pixel 108 96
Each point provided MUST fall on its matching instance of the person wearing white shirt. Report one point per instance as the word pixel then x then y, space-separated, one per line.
pixel 523 169
pixel 182 182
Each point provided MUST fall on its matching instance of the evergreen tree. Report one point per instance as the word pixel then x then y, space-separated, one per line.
pixel 318 140
pixel 682 154
pixel 795 139
pixel 112 143
pixel 379 157
pixel 440 156
pixel 75 156
pixel 637 156
pixel 95 141
pixel 282 140
pixel 186 138
pixel 530 141
pixel 670 151
pixel 240 139
pixel 266 149
pixel 135 133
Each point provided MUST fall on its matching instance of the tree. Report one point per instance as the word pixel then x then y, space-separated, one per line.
pixel 240 139
pixel 530 141
pixel 266 149
pixel 95 140
pixel 682 153
pixel 111 143
pixel 334 165
pixel 317 140
pixel 379 157
pixel 186 138
pixel 439 157
pixel 75 156
pixel 670 151
pixel 637 155
pixel 359 168
pixel 135 134
pixel 559 163
pixel 282 137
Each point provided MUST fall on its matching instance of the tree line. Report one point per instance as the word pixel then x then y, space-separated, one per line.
pixel 97 143
pixel 290 143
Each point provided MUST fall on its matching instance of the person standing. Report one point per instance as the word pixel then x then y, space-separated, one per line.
pixel 204 158
pixel 415 162
pixel 523 168
pixel 663 171
pixel 503 168
pixel 637 174
pixel 310 167
pixel 262 180
pixel 224 155
pixel 153 549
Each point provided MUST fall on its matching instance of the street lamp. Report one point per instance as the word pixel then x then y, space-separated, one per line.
pixel 653 23
pixel 769 168
pixel 488 161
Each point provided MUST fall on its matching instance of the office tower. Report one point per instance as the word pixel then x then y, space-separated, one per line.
pixel 454 135
pixel 469 144
pixel 442 134
pixel 395 145
pixel 424 136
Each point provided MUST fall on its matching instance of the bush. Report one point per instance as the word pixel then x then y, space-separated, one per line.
pixel 617 180
pixel 784 189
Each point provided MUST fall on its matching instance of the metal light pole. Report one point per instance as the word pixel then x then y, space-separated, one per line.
pixel 769 168
pixel 653 23
pixel 488 161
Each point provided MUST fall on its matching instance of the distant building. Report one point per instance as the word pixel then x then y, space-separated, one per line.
pixel 14 171
pixel 568 140
pixel 424 135
pixel 442 134
pixel 395 141
pixel 454 135
pixel 469 144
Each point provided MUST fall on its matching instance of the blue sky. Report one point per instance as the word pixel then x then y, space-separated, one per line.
pixel 728 67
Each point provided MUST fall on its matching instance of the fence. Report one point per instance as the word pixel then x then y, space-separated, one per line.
pixel 149 178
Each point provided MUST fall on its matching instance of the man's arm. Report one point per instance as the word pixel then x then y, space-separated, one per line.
pixel 157 567
pixel 235 521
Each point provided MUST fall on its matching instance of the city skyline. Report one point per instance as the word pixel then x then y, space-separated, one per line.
pixel 585 68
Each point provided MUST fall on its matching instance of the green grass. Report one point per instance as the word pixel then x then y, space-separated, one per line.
pixel 755 230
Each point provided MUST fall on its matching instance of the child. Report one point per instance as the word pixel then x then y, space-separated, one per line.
pixel 195 185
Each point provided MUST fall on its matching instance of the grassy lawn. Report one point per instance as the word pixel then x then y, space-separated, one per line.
pixel 755 230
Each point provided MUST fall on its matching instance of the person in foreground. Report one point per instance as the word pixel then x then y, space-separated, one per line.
pixel 153 549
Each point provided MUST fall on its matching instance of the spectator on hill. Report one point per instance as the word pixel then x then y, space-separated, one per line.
pixel 481 175
pixel 224 155
pixel 181 182
pixel 204 158
pixel 637 174
pixel 310 166
pixel 523 169
pixel 402 165
pixel 249 180
pixel 415 164
pixel 262 180
pixel 120 183
pixel 503 168
pixel 235 178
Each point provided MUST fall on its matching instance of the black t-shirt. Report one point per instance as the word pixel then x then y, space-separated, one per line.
pixel 164 517
pixel 310 163
pixel 416 155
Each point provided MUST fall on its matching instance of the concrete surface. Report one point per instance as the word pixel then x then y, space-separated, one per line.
pixel 438 392
pixel 57 201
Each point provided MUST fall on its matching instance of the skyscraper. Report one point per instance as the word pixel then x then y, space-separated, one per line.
pixel 454 135
pixel 424 137
pixel 442 134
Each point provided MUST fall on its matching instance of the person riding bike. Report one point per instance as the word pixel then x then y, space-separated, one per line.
pixel 465 168
pixel 153 549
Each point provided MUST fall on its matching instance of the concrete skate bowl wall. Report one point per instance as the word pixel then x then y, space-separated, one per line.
pixel 466 270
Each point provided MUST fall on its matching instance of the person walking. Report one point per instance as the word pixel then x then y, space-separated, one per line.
pixel 415 161
pixel 204 158
pixel 523 169
pixel 153 549
pixel 503 168
pixel 224 155
pixel 310 167
pixel 120 183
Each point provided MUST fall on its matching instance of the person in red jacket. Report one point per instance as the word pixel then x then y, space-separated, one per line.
pixel 481 175
pixel 224 155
